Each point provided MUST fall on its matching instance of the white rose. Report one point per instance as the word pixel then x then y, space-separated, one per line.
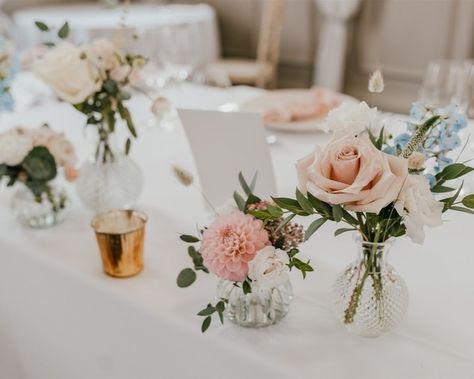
pixel 418 207
pixel 226 208
pixel 62 151
pixel 269 268
pixel 15 145
pixel 68 71
pixel 416 161
pixel 351 118
pixel 103 54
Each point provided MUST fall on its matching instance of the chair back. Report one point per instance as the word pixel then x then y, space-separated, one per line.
pixel 270 31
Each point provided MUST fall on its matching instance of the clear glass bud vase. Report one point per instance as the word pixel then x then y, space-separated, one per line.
pixel 260 308
pixel 109 180
pixel 370 297
pixel 49 209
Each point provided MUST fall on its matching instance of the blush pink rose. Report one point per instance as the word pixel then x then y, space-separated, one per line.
pixel 351 171
pixel 230 243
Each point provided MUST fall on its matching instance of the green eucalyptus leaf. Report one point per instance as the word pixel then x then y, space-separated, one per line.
pixel 188 238
pixel 244 184
pixel 441 189
pixel 209 310
pixel 343 230
pixel 128 145
pixel 453 171
pixel 461 209
pixel 239 201
pixel 186 277
pixel 321 207
pixel 253 183
pixel 304 202
pixel 315 225
pixel 290 205
pixel 246 287
pixel 64 31
pixel 337 212
pixel 41 26
pixel 40 164
pixel 468 201
pixel 206 323
pixel 220 306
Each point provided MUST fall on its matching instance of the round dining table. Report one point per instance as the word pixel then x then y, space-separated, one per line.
pixel 149 29
pixel 62 317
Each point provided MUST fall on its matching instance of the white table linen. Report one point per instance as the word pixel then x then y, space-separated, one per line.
pixel 154 25
pixel 61 317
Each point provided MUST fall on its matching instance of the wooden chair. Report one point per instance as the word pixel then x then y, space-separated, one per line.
pixel 262 71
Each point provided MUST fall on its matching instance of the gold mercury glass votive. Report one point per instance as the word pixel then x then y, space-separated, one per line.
pixel 120 235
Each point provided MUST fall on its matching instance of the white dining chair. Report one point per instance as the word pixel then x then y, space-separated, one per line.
pixel 260 72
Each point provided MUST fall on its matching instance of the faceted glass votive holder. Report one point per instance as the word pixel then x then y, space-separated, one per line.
pixel 120 235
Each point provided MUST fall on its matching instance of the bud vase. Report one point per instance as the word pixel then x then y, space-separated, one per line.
pixel 370 297
pixel 260 308
pixel 109 180
pixel 44 211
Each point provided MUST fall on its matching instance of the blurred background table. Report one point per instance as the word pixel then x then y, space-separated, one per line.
pixel 152 30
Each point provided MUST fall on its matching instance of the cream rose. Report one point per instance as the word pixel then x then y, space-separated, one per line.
pixel 351 171
pixel 68 71
pixel 418 207
pixel 103 54
pixel 269 268
pixel 14 146
pixel 351 118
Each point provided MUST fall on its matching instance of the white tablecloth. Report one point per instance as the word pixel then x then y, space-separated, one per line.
pixel 61 317
pixel 157 27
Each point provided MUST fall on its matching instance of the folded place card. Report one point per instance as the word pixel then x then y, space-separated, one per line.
pixel 224 144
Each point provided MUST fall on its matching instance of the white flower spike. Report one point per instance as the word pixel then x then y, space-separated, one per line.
pixel 376 84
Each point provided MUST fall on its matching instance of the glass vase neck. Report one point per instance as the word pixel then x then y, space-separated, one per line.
pixel 373 255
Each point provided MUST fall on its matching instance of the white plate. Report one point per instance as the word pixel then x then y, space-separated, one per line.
pixel 262 104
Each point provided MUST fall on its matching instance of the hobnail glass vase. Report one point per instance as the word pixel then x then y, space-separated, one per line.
pixel 111 184
pixel 370 296
pixel 260 308
pixel 48 210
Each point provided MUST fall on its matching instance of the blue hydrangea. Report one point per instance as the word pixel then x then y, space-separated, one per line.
pixel 458 121
pixel 449 140
pixel 418 111
pixel 401 140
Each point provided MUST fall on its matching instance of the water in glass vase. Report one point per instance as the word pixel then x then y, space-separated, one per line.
pixel 260 308
pixel 48 210
pixel 370 297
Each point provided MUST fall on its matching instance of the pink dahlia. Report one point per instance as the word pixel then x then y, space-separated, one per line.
pixel 230 243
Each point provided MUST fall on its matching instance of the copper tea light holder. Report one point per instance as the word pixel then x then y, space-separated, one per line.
pixel 120 235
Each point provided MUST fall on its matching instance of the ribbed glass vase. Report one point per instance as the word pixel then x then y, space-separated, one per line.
pixel 113 184
pixel 46 211
pixel 370 297
pixel 260 308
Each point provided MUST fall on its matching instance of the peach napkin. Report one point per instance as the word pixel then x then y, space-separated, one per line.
pixel 316 104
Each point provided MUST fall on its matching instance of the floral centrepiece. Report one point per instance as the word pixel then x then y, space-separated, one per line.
pixel 251 247
pixel 355 182
pixel 32 157
pixel 95 78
